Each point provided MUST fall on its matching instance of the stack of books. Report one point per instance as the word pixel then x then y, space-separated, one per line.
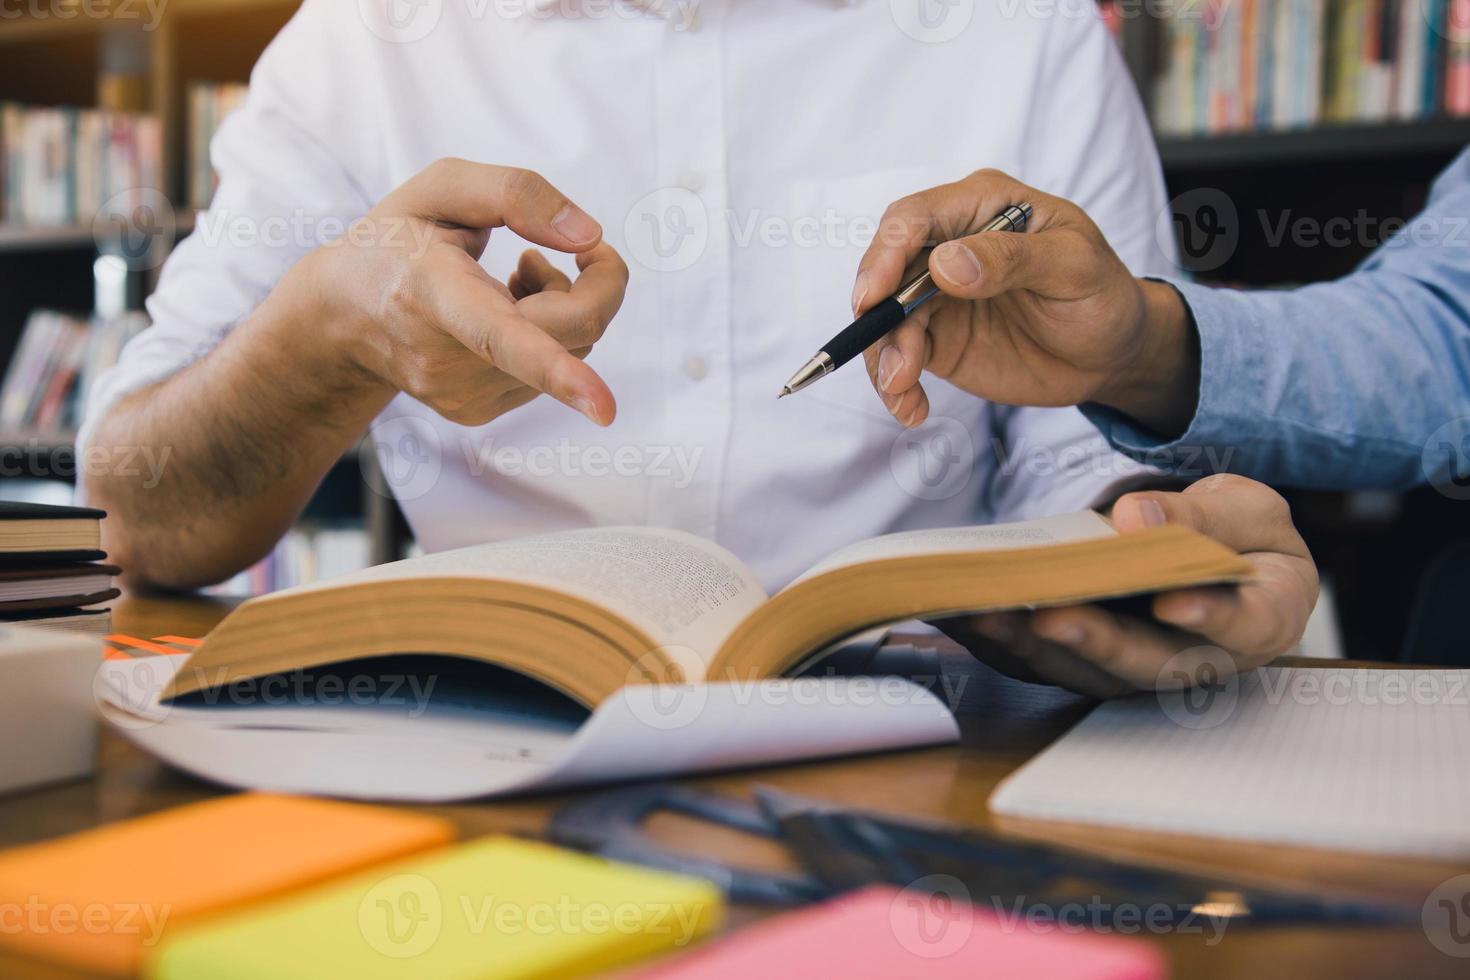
pixel 51 571
pixel 61 165
pixel 55 364
pixel 209 104
pixel 1241 65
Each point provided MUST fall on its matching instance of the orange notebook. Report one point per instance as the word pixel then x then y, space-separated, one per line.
pixel 102 899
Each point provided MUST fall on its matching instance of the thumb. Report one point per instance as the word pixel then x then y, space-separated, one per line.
pixel 1052 261
pixel 1241 514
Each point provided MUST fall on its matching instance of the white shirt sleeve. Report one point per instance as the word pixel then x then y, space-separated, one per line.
pixel 284 189
pixel 1091 143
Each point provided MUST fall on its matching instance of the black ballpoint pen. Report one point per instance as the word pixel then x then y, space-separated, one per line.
pixel 866 330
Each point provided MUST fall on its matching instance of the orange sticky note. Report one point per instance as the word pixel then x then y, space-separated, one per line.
pixel 101 899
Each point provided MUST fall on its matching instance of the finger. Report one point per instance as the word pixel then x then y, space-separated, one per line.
pixel 1056 261
pixel 490 325
pixel 481 195
pixel 1128 648
pixel 534 273
pixel 1259 619
pixel 519 395
pixel 948 211
pixel 1009 646
pixel 1242 514
pixel 902 356
pixel 910 408
pixel 578 316
pixel 1068 669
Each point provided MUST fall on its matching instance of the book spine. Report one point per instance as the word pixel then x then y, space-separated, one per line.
pixel 1265 48
pixel 1457 77
pixel 1250 58
pixel 1434 54
pixel 1281 59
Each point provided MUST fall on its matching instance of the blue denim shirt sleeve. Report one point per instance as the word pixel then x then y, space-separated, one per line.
pixel 1362 383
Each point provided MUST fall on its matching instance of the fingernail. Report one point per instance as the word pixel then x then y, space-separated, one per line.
pixel 1186 613
pixel 576 225
pixel 859 291
pixel 585 406
pixel 1152 514
pixel 890 361
pixel 1067 634
pixel 958 264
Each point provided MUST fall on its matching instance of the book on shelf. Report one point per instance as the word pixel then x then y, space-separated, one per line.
pixel 209 104
pixel 60 165
pixel 55 364
pixel 1250 65
pixel 1457 61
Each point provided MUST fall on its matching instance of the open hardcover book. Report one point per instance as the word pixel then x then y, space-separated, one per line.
pixel 603 617
pixel 589 612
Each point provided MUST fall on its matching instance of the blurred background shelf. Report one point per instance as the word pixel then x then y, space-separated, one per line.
pixel 22 238
pixel 47 441
pixel 1441 138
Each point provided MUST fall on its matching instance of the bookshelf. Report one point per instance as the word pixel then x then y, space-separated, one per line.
pixel 112 56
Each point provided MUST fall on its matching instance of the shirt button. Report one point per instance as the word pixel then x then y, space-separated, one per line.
pixel 692 181
pixel 696 368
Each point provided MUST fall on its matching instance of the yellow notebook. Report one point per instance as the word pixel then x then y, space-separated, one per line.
pixel 494 908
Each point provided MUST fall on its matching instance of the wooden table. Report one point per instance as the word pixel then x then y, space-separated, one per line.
pixel 1004 722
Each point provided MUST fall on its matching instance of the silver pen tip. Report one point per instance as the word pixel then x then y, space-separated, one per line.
pixel 784 393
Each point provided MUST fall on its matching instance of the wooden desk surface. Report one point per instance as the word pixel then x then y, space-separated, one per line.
pixel 1004 722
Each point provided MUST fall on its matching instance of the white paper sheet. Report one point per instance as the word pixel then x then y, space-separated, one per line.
pixel 1351 758
pixel 458 751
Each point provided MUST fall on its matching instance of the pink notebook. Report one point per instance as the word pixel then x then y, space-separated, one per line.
pixel 882 933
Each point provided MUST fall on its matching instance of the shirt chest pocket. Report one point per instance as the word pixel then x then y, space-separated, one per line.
pixel 834 221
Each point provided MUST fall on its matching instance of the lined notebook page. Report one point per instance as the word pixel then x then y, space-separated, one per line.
pixel 1350 758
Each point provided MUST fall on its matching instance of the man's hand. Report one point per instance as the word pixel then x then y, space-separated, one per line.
pixel 399 303
pixel 1104 654
pixel 1050 316
pixel 406 300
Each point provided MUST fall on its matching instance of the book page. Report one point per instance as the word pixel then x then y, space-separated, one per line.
pixel 682 590
pixel 1081 526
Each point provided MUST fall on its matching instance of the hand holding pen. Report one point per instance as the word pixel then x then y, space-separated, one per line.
pixel 872 325
pixel 1048 317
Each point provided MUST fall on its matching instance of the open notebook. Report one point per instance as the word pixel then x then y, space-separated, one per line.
pixel 1333 757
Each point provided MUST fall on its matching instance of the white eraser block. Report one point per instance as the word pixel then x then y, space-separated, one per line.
pixel 48 715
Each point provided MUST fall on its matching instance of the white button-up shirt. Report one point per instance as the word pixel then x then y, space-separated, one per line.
pixel 738 154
